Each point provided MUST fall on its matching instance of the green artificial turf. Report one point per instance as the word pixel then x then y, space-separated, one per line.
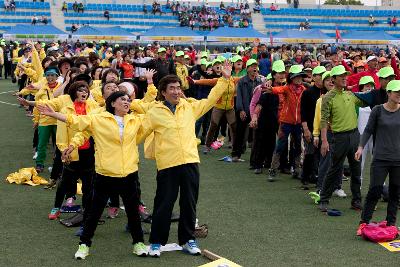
pixel 251 222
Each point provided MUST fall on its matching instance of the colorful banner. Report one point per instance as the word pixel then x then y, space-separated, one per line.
pixel 173 38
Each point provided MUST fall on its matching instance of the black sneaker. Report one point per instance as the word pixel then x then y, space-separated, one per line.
pixel 356 205
pixel 271 175
pixel 323 206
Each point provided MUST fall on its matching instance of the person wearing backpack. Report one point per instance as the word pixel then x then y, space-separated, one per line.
pixel 384 125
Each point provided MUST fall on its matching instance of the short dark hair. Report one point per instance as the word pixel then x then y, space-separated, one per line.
pixel 114 96
pixel 104 85
pixel 104 74
pixel 163 84
pixel 75 87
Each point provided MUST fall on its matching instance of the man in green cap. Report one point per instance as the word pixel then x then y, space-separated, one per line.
pixel 182 72
pixel 244 94
pixel 308 100
pixel 339 112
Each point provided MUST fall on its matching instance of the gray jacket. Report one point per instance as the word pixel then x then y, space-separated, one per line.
pixel 244 89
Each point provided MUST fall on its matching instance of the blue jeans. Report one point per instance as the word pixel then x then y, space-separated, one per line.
pixel 286 129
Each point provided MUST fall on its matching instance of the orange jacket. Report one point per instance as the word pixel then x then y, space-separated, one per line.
pixel 290 112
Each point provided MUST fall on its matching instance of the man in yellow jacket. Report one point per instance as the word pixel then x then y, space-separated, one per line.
pixel 173 121
pixel 182 71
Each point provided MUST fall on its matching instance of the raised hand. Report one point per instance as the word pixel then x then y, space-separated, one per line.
pixel 149 73
pixel 227 70
pixel 22 101
pixel 46 110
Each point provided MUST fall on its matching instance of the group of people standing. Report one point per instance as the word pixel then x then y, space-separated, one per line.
pixel 302 117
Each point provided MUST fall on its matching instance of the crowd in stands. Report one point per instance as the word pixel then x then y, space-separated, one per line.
pixel 9 5
pixel 206 17
pixel 43 19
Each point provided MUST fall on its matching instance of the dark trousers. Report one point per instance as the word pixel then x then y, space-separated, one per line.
pixel 82 169
pixel 379 171
pixel 7 70
pixel 263 147
pixel 344 145
pixel 182 179
pixel 126 187
pixel 1 71
pixel 239 143
pixel 57 168
pixel 35 139
pixel 310 162
pixel 202 124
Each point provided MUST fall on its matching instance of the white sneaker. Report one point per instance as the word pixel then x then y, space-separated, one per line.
pixel 155 250
pixel 191 248
pixel 34 156
pixel 82 252
pixel 339 193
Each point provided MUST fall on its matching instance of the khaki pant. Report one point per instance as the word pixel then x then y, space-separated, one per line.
pixel 216 116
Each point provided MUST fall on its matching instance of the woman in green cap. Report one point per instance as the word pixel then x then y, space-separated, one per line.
pixel 384 125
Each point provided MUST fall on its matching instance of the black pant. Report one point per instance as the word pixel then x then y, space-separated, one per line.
pixel 263 147
pixel 82 169
pixel 7 69
pixel 57 168
pixel 379 171
pixel 126 187
pixel 344 145
pixel 239 143
pixel 183 179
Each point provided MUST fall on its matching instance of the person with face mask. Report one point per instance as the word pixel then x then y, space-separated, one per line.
pixel 339 111
pixel 384 125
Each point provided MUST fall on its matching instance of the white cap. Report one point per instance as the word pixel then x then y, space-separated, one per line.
pixel 371 58
pixel 148 45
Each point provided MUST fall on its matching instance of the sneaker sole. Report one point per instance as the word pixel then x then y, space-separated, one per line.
pixel 193 254
pixel 154 256
pixel 141 255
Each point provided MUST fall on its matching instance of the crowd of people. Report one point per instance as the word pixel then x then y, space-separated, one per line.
pixel 43 19
pixel 300 111
pixel 9 5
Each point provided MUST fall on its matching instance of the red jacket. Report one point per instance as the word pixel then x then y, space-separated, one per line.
pixel 290 112
pixel 128 70
pixel 353 79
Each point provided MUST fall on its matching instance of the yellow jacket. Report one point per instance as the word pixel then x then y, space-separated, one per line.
pixel 95 92
pixel 69 136
pixel 182 72
pixel 113 157
pixel 37 66
pixel 45 93
pixel 14 55
pixel 86 51
pixel 1 56
pixel 226 101
pixel 174 134
pixel 317 118
pixel 42 54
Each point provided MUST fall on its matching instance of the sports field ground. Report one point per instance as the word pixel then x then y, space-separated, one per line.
pixel 251 222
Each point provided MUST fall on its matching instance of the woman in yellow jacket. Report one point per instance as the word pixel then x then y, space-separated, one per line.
pixel 80 164
pixel 173 122
pixel 116 135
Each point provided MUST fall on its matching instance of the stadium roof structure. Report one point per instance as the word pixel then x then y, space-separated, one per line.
pixel 180 34
pixel 229 34
pixel 369 38
pixel 28 31
pixel 312 36
pixel 89 33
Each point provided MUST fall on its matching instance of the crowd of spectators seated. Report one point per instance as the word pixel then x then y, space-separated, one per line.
pixel 207 18
pixel 9 5
pixel 392 21
pixel 78 7
pixel 43 20
pixel 304 25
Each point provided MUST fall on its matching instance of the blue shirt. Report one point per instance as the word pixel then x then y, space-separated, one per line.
pixel 170 106
pixel 265 66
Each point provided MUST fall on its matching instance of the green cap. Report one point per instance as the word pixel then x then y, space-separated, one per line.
pixel 2 43
pixel 141 48
pixel 161 49
pixel 204 54
pixel 16 42
pixel 366 80
pixel 236 58
pixel 251 62
pixel 116 45
pixel 338 70
pixel 221 58
pixel 295 69
pixel 239 49
pixel 269 76
pixel 179 54
pixel 102 42
pixel 318 70
pixel 43 44
pixel 385 72
pixel 326 75
pixel 278 66
pixel 208 64
pixel 203 61
pixel 393 86
pixel 216 61
pixel 186 57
